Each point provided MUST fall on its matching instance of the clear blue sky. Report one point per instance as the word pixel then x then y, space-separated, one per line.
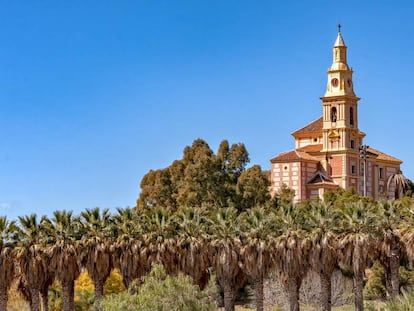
pixel 94 94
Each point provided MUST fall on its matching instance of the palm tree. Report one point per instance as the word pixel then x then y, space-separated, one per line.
pixel 159 240
pixel 258 230
pixel 224 245
pixel 359 239
pixel 292 250
pixel 323 256
pixel 191 244
pixel 400 182
pixel 96 247
pixel 127 229
pixel 63 247
pixel 406 229
pixel 8 230
pixel 32 259
pixel 391 248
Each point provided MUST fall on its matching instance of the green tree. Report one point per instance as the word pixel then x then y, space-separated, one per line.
pixel 339 197
pixel 202 178
pixel 284 196
pixel 232 163
pixel 157 190
pixel 252 188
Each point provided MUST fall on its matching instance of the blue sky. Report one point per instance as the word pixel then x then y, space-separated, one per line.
pixel 94 94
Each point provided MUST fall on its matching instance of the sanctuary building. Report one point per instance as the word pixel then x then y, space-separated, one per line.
pixel 329 152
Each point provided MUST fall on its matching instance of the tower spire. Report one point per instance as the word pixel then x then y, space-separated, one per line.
pixel 339 74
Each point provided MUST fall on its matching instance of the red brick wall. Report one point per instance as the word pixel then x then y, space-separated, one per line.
pixel 336 166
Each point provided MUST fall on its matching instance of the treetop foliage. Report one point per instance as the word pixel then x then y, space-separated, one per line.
pixel 203 178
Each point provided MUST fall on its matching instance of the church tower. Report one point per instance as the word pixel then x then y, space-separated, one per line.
pixel 341 137
pixel 326 153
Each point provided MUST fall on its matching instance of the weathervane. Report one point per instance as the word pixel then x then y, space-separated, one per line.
pixel 339 27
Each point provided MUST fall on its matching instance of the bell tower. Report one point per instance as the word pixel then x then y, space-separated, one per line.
pixel 340 133
pixel 340 104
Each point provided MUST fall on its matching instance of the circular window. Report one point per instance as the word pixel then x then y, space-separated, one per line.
pixel 334 82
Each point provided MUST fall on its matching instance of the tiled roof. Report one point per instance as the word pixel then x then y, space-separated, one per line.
pixel 384 157
pixel 314 127
pixel 293 155
pixel 311 148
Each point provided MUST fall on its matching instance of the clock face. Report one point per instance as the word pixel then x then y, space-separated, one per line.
pixel 334 82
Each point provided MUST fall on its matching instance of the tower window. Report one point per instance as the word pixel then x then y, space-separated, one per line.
pixel 352 169
pixel 351 116
pixel 333 114
pixel 381 173
pixel 352 144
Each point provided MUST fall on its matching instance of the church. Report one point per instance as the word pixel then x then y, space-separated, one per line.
pixel 329 152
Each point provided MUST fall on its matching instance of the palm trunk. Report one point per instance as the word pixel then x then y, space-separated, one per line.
pixel 358 290
pixel 259 293
pixel 229 297
pixel 394 271
pixel 68 296
pixel 127 281
pixel 45 299
pixel 292 291
pixel 35 299
pixel 99 293
pixel 3 298
pixel 325 295
pixel 388 282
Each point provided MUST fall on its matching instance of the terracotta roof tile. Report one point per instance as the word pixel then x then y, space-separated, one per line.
pixel 315 127
pixel 312 148
pixel 293 155
pixel 384 157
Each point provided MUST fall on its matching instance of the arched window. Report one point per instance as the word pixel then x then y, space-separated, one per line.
pixel 351 116
pixel 333 114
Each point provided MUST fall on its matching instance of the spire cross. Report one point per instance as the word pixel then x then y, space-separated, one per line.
pixel 339 27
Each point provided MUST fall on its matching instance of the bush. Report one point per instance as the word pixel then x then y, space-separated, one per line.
pixel 375 286
pixel 404 302
pixel 161 292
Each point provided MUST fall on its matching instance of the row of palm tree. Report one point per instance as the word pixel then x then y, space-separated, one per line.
pixel 289 240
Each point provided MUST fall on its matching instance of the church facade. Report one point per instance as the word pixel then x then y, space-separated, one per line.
pixel 330 152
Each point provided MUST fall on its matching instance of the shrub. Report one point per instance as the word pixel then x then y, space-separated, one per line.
pixel 404 302
pixel 161 292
